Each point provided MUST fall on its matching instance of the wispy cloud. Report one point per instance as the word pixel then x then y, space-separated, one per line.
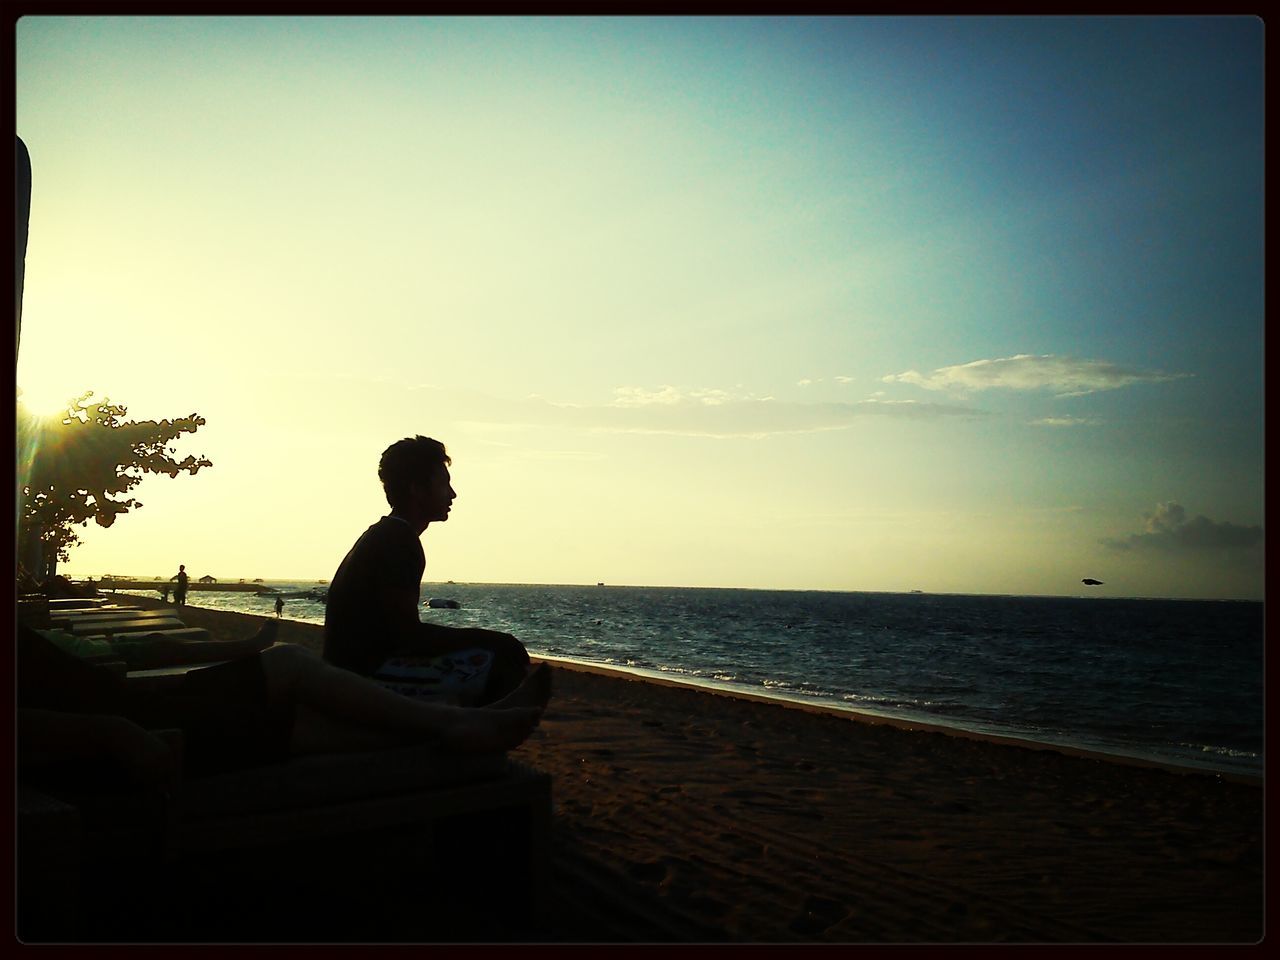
pixel 1068 376
pixel 1064 422
pixel 668 396
pixel 702 412
pixel 1167 528
pixel 810 381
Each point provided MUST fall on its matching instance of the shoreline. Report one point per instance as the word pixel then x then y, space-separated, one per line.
pixel 687 815
pixel 923 724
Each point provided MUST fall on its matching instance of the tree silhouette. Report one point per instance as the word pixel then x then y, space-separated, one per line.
pixel 82 466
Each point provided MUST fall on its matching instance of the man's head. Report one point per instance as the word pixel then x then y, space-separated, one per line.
pixel 415 478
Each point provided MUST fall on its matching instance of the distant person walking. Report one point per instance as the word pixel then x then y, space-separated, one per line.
pixel 180 591
pixel 279 605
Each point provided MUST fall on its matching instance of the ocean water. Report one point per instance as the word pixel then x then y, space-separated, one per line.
pixel 1178 681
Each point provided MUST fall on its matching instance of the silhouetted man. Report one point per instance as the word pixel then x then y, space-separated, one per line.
pixel 371 621
pixel 180 591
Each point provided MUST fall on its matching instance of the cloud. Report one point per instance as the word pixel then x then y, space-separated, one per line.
pixel 1069 376
pixel 704 412
pixel 1167 528
pixel 1064 422
pixel 668 397
pixel 810 381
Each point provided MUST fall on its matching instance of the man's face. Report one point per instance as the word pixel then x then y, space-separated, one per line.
pixel 435 495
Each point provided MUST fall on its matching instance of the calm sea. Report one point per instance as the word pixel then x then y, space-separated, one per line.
pixel 1172 680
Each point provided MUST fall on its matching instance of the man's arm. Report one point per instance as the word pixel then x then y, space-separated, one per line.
pixel 413 637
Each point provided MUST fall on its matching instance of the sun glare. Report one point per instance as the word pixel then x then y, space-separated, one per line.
pixel 44 402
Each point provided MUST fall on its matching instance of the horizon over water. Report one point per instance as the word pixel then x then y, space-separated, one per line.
pixel 1177 681
pixel 309 582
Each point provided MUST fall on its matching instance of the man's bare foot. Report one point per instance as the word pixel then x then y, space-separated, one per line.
pixel 489 730
pixel 534 691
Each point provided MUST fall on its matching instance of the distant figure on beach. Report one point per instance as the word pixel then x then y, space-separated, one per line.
pixel 83 721
pixel 180 591
pixel 279 605
pixel 164 593
pixel 371 622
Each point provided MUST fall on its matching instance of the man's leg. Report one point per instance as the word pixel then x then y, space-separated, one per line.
pixel 510 663
pixel 359 713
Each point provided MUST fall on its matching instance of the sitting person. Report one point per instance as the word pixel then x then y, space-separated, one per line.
pixel 280 702
pixel 371 621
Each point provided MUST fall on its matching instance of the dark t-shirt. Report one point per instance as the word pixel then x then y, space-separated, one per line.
pixel 359 634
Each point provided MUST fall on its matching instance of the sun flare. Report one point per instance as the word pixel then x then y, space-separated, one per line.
pixel 43 401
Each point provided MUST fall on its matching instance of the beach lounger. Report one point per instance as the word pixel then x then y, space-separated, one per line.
pixel 171 633
pixel 37 608
pixel 103 613
pixel 76 603
pixel 158 679
pixel 118 626
pixel 345 822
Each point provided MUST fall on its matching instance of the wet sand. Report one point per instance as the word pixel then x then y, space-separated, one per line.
pixel 683 815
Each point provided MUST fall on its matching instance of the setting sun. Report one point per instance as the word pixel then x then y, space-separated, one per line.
pixel 44 402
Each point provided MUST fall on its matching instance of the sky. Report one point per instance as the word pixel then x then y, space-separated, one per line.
pixel 959 305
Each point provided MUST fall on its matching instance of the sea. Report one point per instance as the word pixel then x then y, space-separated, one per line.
pixel 1174 681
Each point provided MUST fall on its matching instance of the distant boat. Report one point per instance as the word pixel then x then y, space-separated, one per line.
pixel 1092 582
pixel 444 603
pixel 600 583
pixel 320 596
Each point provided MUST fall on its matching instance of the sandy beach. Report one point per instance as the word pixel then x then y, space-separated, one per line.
pixel 688 816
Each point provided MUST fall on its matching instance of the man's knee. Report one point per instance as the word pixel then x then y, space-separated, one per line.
pixel 513 650
pixel 502 645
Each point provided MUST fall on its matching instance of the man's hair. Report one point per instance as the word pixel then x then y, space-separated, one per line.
pixel 407 460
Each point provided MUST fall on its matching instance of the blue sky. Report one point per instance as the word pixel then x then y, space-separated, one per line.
pixel 968 305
